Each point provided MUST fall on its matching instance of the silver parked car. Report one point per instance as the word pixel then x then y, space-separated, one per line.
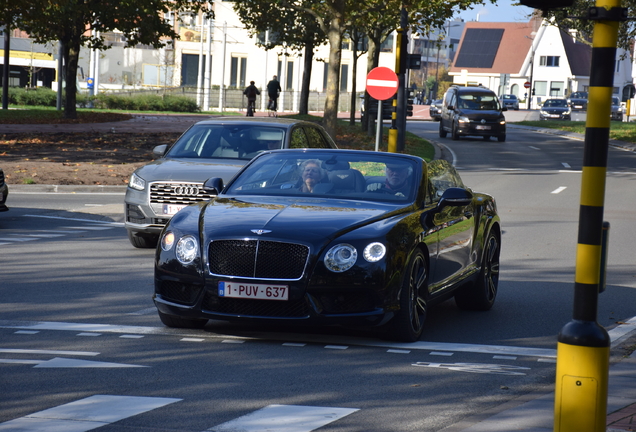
pixel 211 148
pixel 617 109
pixel 510 101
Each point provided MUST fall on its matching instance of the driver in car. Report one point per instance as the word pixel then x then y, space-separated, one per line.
pixel 396 180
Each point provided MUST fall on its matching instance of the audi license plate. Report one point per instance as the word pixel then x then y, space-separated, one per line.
pixel 480 127
pixel 170 209
pixel 253 291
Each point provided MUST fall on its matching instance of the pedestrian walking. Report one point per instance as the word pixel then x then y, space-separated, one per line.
pixel 273 90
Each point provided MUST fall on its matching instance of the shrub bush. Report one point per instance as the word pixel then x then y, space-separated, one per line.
pixel 40 96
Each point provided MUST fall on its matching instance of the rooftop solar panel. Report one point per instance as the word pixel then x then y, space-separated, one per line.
pixel 479 48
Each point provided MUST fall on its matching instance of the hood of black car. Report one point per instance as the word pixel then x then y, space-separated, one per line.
pixel 311 219
pixel 189 170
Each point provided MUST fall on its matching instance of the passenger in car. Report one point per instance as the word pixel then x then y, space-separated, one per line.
pixel 396 182
pixel 311 173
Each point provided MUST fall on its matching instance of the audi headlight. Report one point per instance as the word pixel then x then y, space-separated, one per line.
pixel 341 258
pixel 187 249
pixel 136 182
pixel 374 252
pixel 464 119
pixel 544 113
pixel 167 241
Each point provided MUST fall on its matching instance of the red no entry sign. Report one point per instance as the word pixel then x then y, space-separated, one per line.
pixel 527 84
pixel 382 83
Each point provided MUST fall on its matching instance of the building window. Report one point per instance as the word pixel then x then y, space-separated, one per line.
pixel 556 89
pixel 540 88
pixel 238 69
pixel 387 45
pixel 344 77
pixel 325 74
pixel 549 61
pixel 289 78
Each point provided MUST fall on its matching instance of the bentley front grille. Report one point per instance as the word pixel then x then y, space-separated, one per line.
pixel 259 259
pixel 178 193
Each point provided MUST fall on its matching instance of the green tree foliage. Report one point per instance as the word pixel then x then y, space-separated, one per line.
pixel 79 23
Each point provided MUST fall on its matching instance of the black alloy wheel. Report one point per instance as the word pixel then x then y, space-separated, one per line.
pixel 408 323
pixel 481 295
pixel 142 241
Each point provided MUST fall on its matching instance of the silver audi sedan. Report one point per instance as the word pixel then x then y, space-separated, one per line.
pixel 212 148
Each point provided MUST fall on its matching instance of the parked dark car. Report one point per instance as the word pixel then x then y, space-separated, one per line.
pixel 4 192
pixel 578 101
pixel 382 237
pixel 211 148
pixel 435 109
pixel 510 101
pixel 472 111
pixel 555 109
pixel 617 109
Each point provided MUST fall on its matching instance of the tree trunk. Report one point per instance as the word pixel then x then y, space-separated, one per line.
pixel 334 35
pixel 354 83
pixel 303 107
pixel 374 59
pixel 71 59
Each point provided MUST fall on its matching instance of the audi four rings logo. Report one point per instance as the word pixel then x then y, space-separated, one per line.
pixel 186 190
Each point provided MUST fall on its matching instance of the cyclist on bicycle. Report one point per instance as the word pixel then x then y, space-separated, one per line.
pixel 251 92
pixel 273 90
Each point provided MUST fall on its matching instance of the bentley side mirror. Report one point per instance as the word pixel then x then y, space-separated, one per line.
pixel 455 197
pixel 213 186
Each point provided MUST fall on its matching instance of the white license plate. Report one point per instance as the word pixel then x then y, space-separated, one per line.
pixel 253 291
pixel 171 209
pixel 554 116
pixel 578 106
pixel 479 127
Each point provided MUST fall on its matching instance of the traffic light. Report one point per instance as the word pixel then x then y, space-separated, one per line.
pixel 409 105
pixel 547 4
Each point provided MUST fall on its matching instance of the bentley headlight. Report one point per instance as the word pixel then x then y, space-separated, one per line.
pixel 167 241
pixel 374 252
pixel 187 249
pixel 341 258
pixel 136 182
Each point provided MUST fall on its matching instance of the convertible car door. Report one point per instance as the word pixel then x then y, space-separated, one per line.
pixel 454 226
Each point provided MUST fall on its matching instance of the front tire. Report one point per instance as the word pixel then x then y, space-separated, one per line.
pixel 481 295
pixel 408 323
pixel 454 133
pixel 442 131
pixel 501 138
pixel 141 241
pixel 176 322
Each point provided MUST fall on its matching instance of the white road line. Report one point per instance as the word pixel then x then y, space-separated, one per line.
pixel 86 414
pixel 116 224
pixel 534 148
pixel 191 340
pixel 292 344
pixel 46 352
pixel 566 165
pixel 336 347
pixel 285 418
pixel 17 239
pixel 438 353
pixel 88 334
pixel 61 362
pixel 559 190
pixel 394 351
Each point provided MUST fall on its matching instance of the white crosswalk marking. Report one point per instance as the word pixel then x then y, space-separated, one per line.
pixel 85 414
pixel 284 418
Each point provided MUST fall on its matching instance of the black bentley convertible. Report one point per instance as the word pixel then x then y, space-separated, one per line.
pixel 330 237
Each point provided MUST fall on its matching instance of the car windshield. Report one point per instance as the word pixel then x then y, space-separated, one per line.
pixel 579 95
pixel 365 176
pixel 615 101
pixel 227 141
pixel 512 97
pixel 555 103
pixel 478 102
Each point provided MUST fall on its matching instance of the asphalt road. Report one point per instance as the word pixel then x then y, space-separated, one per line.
pixel 78 325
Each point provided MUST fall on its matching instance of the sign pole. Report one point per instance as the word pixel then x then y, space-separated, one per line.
pixel 378 132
